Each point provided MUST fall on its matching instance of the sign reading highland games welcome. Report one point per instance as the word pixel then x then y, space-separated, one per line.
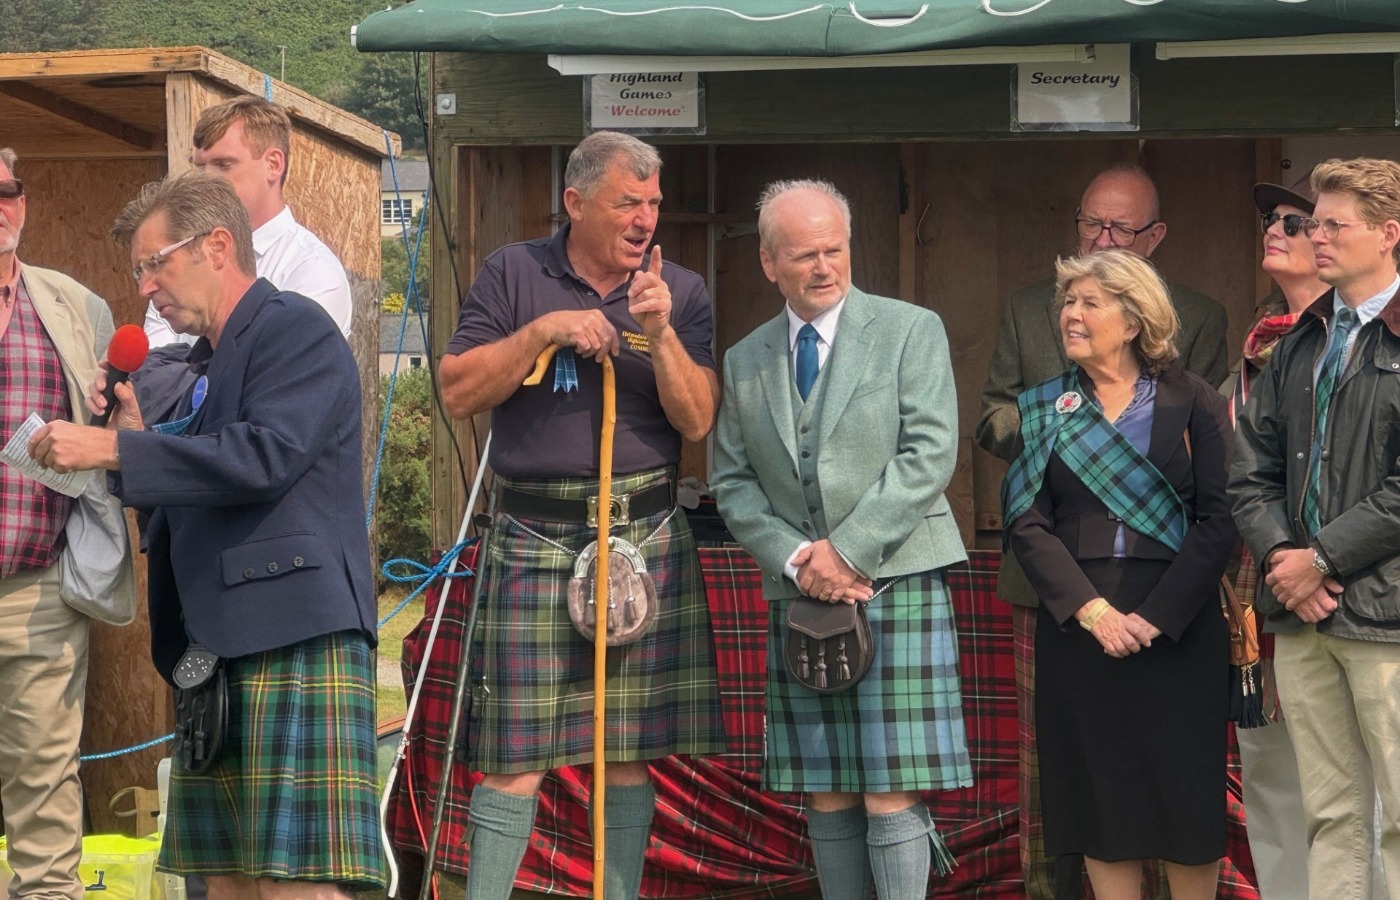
pixel 646 101
pixel 1097 95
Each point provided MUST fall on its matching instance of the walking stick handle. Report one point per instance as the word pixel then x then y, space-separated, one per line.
pixel 541 363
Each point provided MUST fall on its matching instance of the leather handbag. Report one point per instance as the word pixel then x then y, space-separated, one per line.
pixel 1246 699
pixel 828 646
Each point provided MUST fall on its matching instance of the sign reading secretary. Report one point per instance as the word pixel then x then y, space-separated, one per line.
pixel 1095 96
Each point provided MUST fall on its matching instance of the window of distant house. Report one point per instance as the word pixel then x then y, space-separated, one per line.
pixel 415 362
pixel 395 211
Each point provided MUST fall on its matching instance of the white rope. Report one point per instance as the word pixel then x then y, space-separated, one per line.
pixel 883 23
pixel 719 9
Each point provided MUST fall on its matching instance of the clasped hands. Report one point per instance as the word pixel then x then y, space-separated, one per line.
pixel 1300 587
pixel 823 573
pixel 69 447
pixel 1120 635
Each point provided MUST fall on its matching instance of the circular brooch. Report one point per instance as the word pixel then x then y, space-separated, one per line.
pixel 1068 402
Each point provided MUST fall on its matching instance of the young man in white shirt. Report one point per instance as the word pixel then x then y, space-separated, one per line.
pixel 248 141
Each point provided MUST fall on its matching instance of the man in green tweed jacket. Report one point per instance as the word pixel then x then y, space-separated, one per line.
pixel 836 439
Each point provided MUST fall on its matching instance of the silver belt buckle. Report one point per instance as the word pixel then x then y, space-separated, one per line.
pixel 619 510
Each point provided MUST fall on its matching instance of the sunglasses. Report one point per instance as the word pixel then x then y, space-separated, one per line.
pixel 1292 223
pixel 11 188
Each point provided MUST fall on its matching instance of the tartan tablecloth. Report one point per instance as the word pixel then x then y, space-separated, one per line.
pixel 716 833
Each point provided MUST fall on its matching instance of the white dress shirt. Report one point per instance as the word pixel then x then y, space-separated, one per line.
pixel 294 260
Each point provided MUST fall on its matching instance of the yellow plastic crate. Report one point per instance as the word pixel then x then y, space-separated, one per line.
pixel 113 867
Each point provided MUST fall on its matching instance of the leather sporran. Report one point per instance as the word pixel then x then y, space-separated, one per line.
pixel 201 722
pixel 631 593
pixel 827 647
pixel 1246 697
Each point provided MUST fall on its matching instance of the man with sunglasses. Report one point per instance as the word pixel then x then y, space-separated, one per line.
pixel 1316 494
pixel 52 331
pixel 1118 210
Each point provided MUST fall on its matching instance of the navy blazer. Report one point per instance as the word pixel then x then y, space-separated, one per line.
pixel 257 537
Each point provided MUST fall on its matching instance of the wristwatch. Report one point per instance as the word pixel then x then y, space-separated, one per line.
pixel 1320 563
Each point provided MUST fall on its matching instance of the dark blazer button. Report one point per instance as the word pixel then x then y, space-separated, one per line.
pixel 247 573
pixel 298 562
pixel 272 567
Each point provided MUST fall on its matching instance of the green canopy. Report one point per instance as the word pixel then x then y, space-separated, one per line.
pixel 860 27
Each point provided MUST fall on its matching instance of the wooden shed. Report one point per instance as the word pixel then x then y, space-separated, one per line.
pixel 908 108
pixel 90 128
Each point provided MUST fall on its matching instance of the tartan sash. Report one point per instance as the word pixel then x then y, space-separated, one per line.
pixel 1056 417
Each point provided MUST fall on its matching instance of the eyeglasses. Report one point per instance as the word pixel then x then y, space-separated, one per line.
pixel 1329 227
pixel 11 188
pixel 1120 235
pixel 153 263
pixel 1292 223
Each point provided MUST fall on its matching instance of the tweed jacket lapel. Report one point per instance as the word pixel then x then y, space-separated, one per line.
pixel 69 330
pixel 775 374
pixel 847 360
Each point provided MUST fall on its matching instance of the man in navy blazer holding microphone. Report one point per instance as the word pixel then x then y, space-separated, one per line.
pixel 259 564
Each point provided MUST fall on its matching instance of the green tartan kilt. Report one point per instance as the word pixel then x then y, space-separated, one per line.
pixel 294 793
pixel 899 729
pixel 532 672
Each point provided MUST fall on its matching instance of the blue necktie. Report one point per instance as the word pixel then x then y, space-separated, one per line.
pixel 806 360
pixel 1333 362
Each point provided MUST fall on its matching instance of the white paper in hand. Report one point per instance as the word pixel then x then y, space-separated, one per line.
pixel 16 455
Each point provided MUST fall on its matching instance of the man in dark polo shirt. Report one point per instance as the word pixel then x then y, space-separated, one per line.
pixel 593 290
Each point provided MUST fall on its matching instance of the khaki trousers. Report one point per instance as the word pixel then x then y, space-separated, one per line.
pixel 1342 699
pixel 43 679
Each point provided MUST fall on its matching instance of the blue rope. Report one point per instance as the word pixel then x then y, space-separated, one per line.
pixel 423 575
pixel 112 754
pixel 410 299
pixel 267 88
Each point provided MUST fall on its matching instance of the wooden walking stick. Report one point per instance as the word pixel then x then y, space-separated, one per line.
pixel 601 583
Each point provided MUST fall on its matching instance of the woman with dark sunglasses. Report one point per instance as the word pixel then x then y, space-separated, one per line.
pixel 1278 838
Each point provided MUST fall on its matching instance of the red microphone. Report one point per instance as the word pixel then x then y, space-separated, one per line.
pixel 125 354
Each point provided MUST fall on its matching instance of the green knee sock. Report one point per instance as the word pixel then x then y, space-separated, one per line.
pixel 840 852
pixel 903 848
pixel 627 814
pixel 499 830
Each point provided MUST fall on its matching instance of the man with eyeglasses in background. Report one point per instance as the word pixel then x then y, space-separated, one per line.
pixel 1316 493
pixel 1119 209
pixel 52 331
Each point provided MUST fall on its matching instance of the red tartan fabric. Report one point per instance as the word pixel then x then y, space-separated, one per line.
pixel 716 833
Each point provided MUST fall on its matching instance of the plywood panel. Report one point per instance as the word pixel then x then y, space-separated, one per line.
pixel 71 207
pixel 1208 205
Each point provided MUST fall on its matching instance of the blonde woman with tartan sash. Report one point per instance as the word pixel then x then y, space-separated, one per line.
pixel 1116 508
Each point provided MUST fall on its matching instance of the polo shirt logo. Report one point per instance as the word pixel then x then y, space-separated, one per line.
pixel 637 341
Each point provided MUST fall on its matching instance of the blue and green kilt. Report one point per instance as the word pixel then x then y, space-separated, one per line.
pixel 899 729
pixel 294 793
pixel 532 672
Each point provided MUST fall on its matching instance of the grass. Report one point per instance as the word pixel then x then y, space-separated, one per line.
pixel 392 702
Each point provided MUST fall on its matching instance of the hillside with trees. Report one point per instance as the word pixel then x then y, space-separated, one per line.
pixel 311 39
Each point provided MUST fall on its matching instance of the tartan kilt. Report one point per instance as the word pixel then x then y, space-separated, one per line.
pixel 532 672
pixel 900 728
pixel 294 793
